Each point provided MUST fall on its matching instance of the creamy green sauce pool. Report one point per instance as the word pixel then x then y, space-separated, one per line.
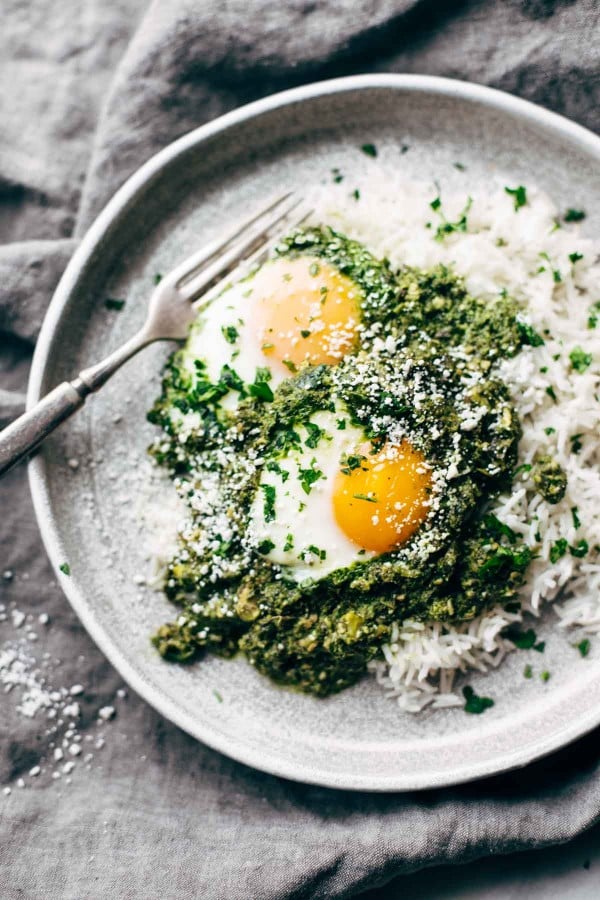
pixel 338 431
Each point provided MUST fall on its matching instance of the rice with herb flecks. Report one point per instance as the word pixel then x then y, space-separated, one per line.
pixel 510 239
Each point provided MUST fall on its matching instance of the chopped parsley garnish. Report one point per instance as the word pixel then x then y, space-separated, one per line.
pixel 365 497
pixel 592 321
pixel 230 333
pixel 341 424
pixel 289 543
pixel 580 549
pixel 217 696
pixel 305 333
pixel 580 360
pixel 269 504
pixel 545 675
pixel 540 646
pixel 519 195
pixel 556 276
pixel 524 640
pixel 290 365
pixel 474 703
pixel 114 303
pixel 369 150
pixel 404 149
pixel 356 194
pixel 265 546
pixel 157 278
pixel 65 568
pixel 584 647
pixel 309 476
pixel 558 550
pixel 314 551
pixel 528 671
pixel 314 434
pixel 528 334
pixel 352 462
pixel 550 430
pixel 260 389
pixel 314 269
pixel 447 227
pixel 273 466
pixel 550 392
pixel 574 215
pixel 337 176
pixel 459 166
pixel 576 519
pixel 576 443
pixel 498 528
pixel 575 257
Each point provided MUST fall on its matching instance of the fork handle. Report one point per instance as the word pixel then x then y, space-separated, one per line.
pixel 22 436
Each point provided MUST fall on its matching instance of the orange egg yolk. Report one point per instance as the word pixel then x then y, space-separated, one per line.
pixel 307 311
pixel 381 503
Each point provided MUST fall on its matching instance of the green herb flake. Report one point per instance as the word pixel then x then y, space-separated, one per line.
pixel 528 671
pixel 475 704
pixel 369 150
pixel 524 640
pixel 576 519
pixel 551 393
pixel 540 646
pixel 545 676
pixel 574 215
pixel 365 497
pixel 337 176
pixel 529 335
pixel 558 550
pixel 217 696
pixel 557 277
pixel 157 278
pixel 519 195
pixel 114 304
pixel 265 546
pixel 65 568
pixel 356 194
pixel 269 504
pixel 459 166
pixel 435 204
pixel 305 333
pixel 550 430
pixel 498 528
pixel 584 647
pixel 290 365
pixel 314 435
pixel 575 257
pixel 314 269
pixel 341 424
pixel 230 333
pixel 309 476
pixel 576 443
pixel 260 389
pixel 580 549
pixel 289 543
pixel 580 360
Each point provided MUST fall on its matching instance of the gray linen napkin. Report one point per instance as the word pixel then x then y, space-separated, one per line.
pixel 88 91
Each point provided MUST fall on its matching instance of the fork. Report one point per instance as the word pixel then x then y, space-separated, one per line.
pixel 174 304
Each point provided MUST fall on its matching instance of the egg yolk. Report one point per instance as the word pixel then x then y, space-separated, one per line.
pixel 307 311
pixel 380 499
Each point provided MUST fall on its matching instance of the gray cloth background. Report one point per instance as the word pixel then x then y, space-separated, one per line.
pixel 89 89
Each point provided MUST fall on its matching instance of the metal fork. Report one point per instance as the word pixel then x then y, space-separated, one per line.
pixel 174 304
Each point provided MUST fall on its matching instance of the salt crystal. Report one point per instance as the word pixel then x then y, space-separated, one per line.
pixel 58 754
pixel 73 463
pixel 8 575
pixel 75 749
pixel 20 783
pixel 43 618
pixel 68 767
pixel 77 689
pixel 6 791
pixel 72 710
pixel 106 713
pixel 35 771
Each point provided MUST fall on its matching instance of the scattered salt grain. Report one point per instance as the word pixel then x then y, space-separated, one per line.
pixel 35 770
pixel 76 689
pixel 106 713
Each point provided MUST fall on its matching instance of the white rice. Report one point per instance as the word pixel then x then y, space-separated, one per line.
pixel 502 249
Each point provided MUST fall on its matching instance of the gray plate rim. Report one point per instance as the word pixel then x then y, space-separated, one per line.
pixel 584 722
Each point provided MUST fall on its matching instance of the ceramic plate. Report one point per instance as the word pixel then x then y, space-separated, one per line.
pixel 95 517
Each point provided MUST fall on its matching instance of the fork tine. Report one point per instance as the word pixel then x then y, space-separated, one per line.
pixel 251 247
pixel 217 248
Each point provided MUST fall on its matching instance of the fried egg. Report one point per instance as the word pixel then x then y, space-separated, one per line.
pixel 335 499
pixel 291 311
